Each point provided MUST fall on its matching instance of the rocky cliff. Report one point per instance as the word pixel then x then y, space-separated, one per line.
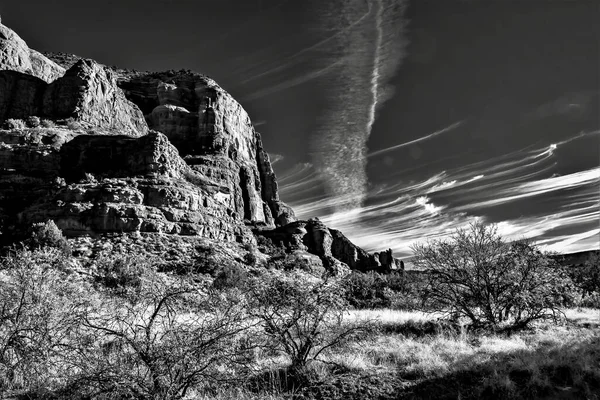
pixel 105 152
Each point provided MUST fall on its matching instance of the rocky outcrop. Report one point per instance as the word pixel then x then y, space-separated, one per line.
pixel 87 94
pixel 331 246
pixel 15 55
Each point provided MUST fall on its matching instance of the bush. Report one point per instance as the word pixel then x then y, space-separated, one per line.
pixel 32 121
pixel 587 276
pixel 267 246
pixel 367 290
pixel 12 123
pixel 47 123
pixel 47 234
pixel 230 276
pixel 121 272
pixel 39 313
pixel 168 339
pixel 301 315
pixel 395 290
pixel 479 276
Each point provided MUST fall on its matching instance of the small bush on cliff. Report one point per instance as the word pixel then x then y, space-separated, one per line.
pixel 47 123
pixel 12 123
pixel 479 276
pixel 230 276
pixel 33 121
pixel 250 257
pixel 121 272
pixel 47 234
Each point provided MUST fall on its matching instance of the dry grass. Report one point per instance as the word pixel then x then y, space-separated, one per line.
pixel 546 361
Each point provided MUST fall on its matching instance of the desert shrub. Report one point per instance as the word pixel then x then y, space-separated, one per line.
pixel 47 123
pixel 167 339
pixel 301 315
pixel 13 123
pixel 590 300
pixel 395 290
pixel 47 234
pixel 479 276
pixel 32 121
pixel 40 308
pixel 250 257
pixel 267 246
pixel 230 276
pixel 586 277
pixel 70 123
pixel 366 290
pixel 121 272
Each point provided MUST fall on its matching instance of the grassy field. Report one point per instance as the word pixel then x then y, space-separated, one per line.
pixel 410 355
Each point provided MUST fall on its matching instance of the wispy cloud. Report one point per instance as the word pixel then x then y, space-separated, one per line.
pixel 421 139
pixel 563 213
pixel 372 48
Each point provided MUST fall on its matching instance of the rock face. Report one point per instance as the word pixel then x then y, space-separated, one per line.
pixel 215 136
pixel 87 94
pixel 15 55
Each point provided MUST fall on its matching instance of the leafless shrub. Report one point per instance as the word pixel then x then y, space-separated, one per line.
pixel 477 275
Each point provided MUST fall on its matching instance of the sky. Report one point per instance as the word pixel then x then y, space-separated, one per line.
pixel 394 121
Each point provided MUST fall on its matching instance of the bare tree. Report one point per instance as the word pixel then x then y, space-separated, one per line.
pixel 301 315
pixel 478 275
pixel 166 339
pixel 39 311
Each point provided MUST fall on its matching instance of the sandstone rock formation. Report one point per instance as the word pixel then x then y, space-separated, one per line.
pixel 87 93
pixel 15 55
pixel 331 246
pixel 215 136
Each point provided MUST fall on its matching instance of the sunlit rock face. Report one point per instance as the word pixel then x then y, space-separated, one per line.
pixel 123 184
pixel 215 136
pixel 87 94
pixel 15 55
